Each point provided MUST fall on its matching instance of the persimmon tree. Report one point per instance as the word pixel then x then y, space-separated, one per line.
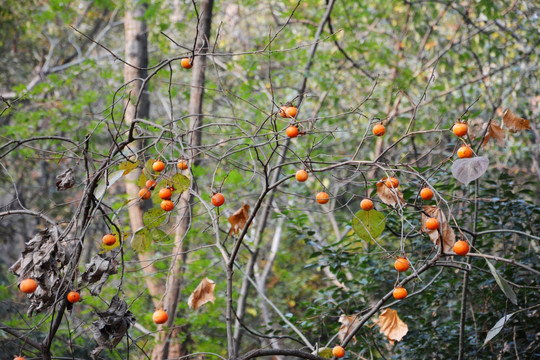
pixel 349 166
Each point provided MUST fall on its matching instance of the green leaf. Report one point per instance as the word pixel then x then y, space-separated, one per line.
pixel 102 187
pixel 154 217
pixel 141 182
pixel 128 166
pixel 180 182
pixel 141 241
pixel 158 235
pixel 368 224
pixel 497 328
pixel 324 352
pixel 506 289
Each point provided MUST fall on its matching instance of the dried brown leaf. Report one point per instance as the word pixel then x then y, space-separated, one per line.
pixel 389 196
pixel 514 123
pixel 239 219
pixel 65 180
pixel 392 326
pixel 202 294
pixel 98 271
pixel 348 323
pixel 495 132
pixel 449 238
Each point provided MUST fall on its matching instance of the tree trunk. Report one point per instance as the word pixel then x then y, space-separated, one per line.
pixel 169 345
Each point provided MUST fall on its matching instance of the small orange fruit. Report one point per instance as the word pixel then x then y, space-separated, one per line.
pixel 392 182
pixel 338 351
pixel 28 286
pixel 19 358
pixel 158 166
pixel 186 63
pixel 400 293
pixel 73 297
pixel 322 197
pixel 301 175
pixel 401 264
pixel 145 193
pixel 108 240
pixel 426 194
pixel 366 204
pixel 167 205
pixel 461 248
pixel 464 152
pixel 150 184
pixel 282 112
pixel 292 131
pixel 379 130
pixel 160 317
pixel 182 165
pixel 460 129
pixel 291 111
pixel 218 199
pixel 432 224
pixel 165 194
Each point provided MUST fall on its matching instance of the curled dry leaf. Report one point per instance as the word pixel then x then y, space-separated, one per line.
pixel 65 180
pixel 98 271
pixel 495 132
pixel 111 326
pixel 389 196
pixel 43 259
pixel 348 323
pixel 514 123
pixel 392 326
pixel 239 219
pixel 449 237
pixel 202 294
pixel 469 169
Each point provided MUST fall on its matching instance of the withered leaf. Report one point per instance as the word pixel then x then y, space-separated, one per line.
pixel 514 123
pixel 449 237
pixel 111 326
pixel 348 323
pixel 65 180
pixel 239 219
pixel 389 196
pixel 469 169
pixel 392 326
pixel 202 294
pixel 43 259
pixel 98 271
pixel 495 132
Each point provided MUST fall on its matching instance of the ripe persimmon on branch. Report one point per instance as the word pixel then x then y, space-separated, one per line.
pixel 292 208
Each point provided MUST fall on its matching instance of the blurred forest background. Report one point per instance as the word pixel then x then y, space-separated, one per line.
pixel 413 65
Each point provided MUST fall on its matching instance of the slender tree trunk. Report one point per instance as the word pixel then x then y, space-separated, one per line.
pixel 169 345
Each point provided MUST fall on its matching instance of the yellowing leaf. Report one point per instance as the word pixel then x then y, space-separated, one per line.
pixel 239 219
pixel 392 326
pixel 348 323
pixel 389 196
pixel 202 294
pixel 449 237
pixel 514 123
pixel 128 166
pixel 495 132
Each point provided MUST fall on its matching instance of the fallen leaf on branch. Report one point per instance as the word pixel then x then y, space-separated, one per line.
pixel 514 123
pixel 389 196
pixel 449 237
pixel 348 323
pixel 65 180
pixel 495 132
pixel 469 169
pixel 392 326
pixel 202 294
pixel 239 219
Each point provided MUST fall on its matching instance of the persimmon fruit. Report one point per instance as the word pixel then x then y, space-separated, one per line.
pixel 322 197
pixel 338 351
pixel 401 264
pixel 73 297
pixel 379 130
pixel 28 286
pixel 145 193
pixel 461 248
pixel 108 239
pixel 165 194
pixel 432 224
pixel 400 293
pixel 150 184
pixel 392 182
pixel 160 316
pixel 366 204
pixel 291 111
pixel 182 165
pixel 218 199
pixel 426 194
pixel 186 63
pixel 301 175
pixel 460 129
pixel 464 152
pixel 292 131
pixel 167 205
pixel 158 166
